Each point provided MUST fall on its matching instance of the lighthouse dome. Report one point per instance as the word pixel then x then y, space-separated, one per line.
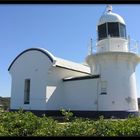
pixel 111 25
pixel 111 31
pixel 110 17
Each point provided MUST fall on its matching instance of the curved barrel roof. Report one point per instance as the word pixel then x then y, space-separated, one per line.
pixel 56 61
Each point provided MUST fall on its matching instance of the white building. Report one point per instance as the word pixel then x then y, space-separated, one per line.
pixel 105 85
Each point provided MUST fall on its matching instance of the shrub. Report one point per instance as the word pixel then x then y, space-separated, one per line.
pixel 21 123
pixel 67 114
pixel 48 127
pixel 79 127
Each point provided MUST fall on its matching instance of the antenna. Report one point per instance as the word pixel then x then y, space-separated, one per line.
pixel 90 47
pixel 136 46
pixel 133 45
pixel 109 8
pixel 129 42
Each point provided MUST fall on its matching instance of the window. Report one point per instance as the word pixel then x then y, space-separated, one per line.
pixel 122 30
pixel 102 32
pixel 27 91
pixel 113 29
pixel 103 87
pixel 103 93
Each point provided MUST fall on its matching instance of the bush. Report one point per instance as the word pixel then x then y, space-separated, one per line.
pixel 79 127
pixel 67 114
pixel 48 127
pixel 27 124
pixel 19 123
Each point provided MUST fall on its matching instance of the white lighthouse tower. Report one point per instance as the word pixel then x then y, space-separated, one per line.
pixel 117 92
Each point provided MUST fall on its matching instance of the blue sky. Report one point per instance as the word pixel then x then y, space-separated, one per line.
pixel 64 30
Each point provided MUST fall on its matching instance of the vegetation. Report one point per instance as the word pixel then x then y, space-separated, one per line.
pixel 67 114
pixel 21 123
pixel 5 102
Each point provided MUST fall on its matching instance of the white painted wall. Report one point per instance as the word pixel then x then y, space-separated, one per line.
pixel 46 91
pixel 55 92
pixel 81 94
pixel 118 70
pixel 35 66
pixel 112 44
pixel 49 92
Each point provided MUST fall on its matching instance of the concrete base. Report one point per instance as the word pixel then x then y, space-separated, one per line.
pixel 86 114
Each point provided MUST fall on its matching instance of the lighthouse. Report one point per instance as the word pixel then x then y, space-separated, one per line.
pixel 116 66
pixel 104 85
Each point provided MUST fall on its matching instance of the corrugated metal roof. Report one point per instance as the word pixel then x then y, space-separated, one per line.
pixel 71 65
